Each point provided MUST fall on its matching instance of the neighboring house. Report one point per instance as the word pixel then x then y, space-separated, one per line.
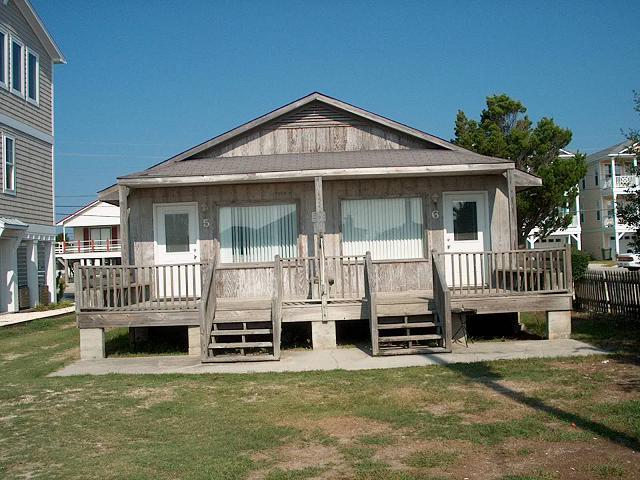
pixel 606 186
pixel 271 223
pixel 94 238
pixel 27 230
pixel 572 235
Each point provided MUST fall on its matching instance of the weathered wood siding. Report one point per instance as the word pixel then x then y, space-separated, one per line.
pixel 315 128
pixel 33 202
pixel 38 116
pixel 409 275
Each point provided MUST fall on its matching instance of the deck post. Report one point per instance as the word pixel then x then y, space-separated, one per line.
pixel 123 194
pixel 318 218
pixel 323 335
pixel 193 336
pixel 513 212
pixel 558 325
pixel 91 343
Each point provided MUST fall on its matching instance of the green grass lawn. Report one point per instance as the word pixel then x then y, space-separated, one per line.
pixel 534 419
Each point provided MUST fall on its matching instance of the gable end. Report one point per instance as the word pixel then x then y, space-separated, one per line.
pixel 315 127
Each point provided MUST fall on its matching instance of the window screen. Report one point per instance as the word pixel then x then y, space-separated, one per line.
pixel 258 233
pixel 390 228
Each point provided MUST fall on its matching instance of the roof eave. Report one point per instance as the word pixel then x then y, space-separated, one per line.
pixel 41 31
pixel 307 175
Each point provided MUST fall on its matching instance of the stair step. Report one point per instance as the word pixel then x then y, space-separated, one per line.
pixel 255 331
pixel 239 316
pixel 393 326
pixel 240 358
pixel 241 345
pixel 412 351
pixel 401 338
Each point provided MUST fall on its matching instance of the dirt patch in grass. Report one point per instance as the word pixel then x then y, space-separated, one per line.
pixel 343 428
pixel 295 457
pixel 152 396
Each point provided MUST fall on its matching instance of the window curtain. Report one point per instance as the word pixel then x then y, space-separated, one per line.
pixel 258 233
pixel 390 228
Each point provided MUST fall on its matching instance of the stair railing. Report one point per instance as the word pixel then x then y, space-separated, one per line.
pixel 370 293
pixel 276 305
pixel 442 298
pixel 207 309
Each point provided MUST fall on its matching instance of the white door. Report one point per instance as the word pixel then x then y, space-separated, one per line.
pixel 176 243
pixel 466 230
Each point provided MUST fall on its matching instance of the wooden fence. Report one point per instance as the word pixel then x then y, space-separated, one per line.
pixel 609 292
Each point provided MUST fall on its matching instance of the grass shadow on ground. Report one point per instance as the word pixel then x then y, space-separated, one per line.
pixel 616 334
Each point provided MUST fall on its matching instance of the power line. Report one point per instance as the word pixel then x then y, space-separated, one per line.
pixel 106 155
pixel 77 196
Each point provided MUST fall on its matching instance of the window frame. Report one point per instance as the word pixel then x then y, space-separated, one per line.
pixel 6 190
pixel 424 204
pixel 20 93
pixel 5 67
pixel 34 101
pixel 285 201
pixel 91 229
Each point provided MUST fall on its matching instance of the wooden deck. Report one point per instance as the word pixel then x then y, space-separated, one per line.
pixel 242 318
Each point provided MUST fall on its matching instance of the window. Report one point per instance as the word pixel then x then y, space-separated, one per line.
pixel 596 179
pixel 17 70
pixel 598 215
pixel 389 228
pixel 258 233
pixel 176 228
pixel 3 59
pixel 9 164
pixel 584 184
pixel 465 221
pixel 101 233
pixel 33 76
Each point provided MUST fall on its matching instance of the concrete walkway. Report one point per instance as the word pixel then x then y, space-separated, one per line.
pixel 339 359
pixel 22 317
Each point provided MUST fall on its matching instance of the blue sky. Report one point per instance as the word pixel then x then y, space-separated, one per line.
pixel 148 79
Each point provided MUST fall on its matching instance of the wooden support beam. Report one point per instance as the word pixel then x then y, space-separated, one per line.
pixel 513 210
pixel 123 194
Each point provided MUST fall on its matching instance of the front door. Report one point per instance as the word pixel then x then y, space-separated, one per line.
pixel 466 231
pixel 176 243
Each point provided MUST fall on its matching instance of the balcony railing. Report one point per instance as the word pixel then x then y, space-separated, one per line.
pixel 622 182
pixel 88 246
pixel 609 221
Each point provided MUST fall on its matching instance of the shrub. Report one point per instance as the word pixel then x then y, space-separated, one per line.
pixel 579 263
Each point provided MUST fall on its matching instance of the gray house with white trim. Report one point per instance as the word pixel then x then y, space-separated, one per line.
pixel 320 213
pixel 27 231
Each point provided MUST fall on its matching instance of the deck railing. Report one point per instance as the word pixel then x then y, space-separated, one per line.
pixel 132 287
pixel 510 272
pixel 88 246
pixel 344 276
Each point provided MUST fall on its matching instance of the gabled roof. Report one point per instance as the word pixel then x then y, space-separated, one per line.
pixel 621 148
pixel 565 153
pixel 301 162
pixel 96 204
pixel 40 30
pixel 301 102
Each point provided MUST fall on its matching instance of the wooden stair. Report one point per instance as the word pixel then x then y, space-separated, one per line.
pixel 400 335
pixel 243 335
